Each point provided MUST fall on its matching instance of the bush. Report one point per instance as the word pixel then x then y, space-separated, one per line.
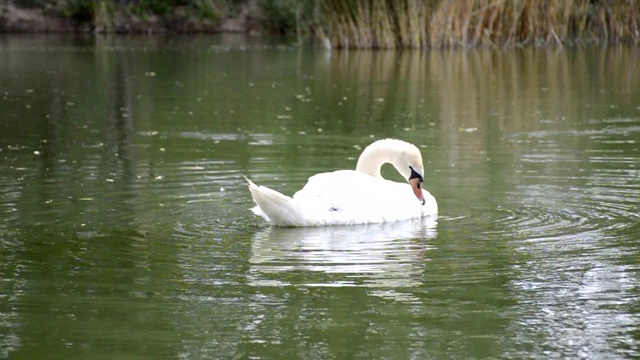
pixel 280 15
pixel 204 9
pixel 158 7
pixel 80 11
pixel 29 4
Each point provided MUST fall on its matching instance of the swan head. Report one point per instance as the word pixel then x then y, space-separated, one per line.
pixel 405 157
pixel 409 165
pixel 416 179
pixel 407 160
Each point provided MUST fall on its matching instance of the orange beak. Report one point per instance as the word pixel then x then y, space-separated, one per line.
pixel 416 187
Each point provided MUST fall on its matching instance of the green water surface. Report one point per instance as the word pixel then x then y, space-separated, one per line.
pixel 124 223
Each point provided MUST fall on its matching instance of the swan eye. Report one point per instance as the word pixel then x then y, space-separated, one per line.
pixel 415 175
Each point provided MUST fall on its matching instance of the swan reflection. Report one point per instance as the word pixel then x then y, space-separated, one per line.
pixel 388 255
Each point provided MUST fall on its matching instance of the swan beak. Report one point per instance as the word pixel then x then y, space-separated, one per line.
pixel 417 191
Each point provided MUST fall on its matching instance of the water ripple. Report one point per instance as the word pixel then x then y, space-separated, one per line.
pixel 548 212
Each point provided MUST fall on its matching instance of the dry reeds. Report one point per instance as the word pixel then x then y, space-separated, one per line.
pixel 451 23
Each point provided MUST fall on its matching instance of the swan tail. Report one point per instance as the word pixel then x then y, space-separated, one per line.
pixel 279 209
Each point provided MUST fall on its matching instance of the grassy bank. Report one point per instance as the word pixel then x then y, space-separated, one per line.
pixel 351 23
pixel 451 23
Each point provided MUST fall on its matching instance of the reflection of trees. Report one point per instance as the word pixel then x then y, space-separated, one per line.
pixel 402 93
pixel 69 120
pixel 76 233
pixel 513 88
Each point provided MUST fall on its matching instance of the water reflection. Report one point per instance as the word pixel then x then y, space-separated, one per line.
pixel 376 256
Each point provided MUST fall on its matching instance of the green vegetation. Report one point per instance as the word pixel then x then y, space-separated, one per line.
pixel 81 11
pixel 139 15
pixel 280 15
pixel 450 23
pixel 373 23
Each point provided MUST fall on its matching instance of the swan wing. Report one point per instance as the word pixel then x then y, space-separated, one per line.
pixel 351 197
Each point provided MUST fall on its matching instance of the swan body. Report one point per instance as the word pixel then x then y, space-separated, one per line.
pixel 361 196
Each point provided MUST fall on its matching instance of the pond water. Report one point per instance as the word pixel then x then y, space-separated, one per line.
pixel 124 222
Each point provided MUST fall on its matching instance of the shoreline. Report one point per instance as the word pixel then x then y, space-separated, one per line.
pixel 19 20
pixel 436 25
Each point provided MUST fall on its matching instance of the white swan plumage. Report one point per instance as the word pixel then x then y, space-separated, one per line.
pixel 361 196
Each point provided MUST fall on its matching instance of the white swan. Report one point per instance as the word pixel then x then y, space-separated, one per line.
pixel 346 197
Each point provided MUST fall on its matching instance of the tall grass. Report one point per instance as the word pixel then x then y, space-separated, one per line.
pixel 453 23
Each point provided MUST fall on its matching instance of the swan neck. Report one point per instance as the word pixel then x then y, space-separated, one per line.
pixel 371 160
